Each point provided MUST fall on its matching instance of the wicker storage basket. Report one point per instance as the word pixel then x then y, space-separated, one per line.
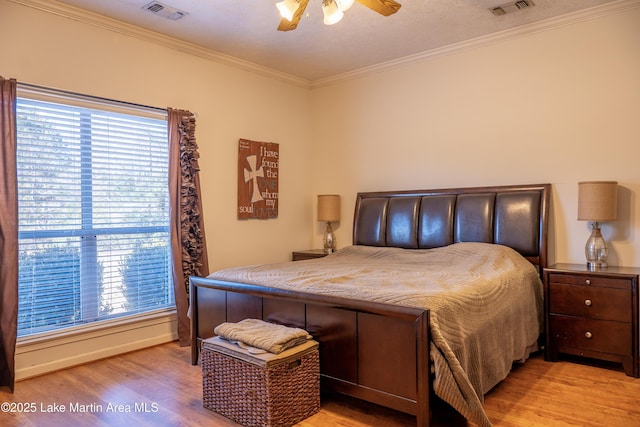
pixel 264 389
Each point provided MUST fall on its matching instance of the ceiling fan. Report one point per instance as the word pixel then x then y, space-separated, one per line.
pixel 293 10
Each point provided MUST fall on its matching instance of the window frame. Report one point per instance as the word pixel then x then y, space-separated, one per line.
pixel 89 235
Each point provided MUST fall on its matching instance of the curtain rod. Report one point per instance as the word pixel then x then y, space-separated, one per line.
pixel 82 95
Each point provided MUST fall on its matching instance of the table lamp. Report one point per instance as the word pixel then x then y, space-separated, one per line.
pixel 597 202
pixel 329 211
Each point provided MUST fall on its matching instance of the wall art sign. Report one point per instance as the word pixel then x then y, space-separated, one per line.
pixel 258 169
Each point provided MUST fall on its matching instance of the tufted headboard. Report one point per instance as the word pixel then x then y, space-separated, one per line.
pixel 514 216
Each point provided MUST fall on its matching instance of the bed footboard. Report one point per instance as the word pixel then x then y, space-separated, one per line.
pixel 371 351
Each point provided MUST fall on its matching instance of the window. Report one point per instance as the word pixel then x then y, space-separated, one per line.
pixel 93 211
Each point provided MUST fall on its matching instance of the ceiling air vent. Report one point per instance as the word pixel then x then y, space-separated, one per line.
pixel 511 7
pixel 163 10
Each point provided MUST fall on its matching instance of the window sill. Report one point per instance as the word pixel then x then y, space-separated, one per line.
pixel 40 354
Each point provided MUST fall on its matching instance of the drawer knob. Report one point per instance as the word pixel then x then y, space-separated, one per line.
pixel 588 282
pixel 588 302
pixel 588 334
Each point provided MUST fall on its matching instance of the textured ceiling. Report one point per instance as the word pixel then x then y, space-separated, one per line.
pixel 246 29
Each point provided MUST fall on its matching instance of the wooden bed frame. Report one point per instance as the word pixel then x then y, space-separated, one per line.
pixel 380 352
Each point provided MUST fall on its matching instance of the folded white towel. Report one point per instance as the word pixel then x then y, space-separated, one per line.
pixel 264 335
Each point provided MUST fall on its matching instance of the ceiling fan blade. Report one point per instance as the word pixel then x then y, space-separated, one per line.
pixel 383 7
pixel 286 25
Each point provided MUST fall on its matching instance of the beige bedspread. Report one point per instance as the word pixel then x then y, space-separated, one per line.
pixel 485 305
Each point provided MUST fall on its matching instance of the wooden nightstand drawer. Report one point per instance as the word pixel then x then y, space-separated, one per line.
pixel 591 302
pixel 573 334
pixel 589 280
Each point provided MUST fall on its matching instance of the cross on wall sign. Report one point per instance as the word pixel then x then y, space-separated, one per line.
pixel 258 170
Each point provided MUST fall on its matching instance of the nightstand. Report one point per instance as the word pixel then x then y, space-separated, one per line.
pixel 592 313
pixel 308 254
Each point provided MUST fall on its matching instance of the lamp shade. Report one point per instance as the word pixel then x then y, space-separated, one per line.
pixel 344 5
pixel 332 12
pixel 288 8
pixel 329 207
pixel 597 201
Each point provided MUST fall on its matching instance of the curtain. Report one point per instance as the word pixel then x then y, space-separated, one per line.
pixel 188 245
pixel 8 233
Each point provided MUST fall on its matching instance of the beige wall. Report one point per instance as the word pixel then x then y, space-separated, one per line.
pixel 557 106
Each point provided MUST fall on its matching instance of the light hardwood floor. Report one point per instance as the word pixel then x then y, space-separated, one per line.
pixel 159 387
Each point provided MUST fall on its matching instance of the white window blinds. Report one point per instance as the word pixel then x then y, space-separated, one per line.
pixel 93 212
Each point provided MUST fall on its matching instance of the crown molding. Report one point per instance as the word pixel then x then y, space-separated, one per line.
pixel 71 12
pixel 90 18
pixel 545 25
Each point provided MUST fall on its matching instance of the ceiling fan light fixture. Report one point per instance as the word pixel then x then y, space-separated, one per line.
pixel 288 8
pixel 332 13
pixel 344 5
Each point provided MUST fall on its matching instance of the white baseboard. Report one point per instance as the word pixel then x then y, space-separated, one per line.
pixel 40 356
